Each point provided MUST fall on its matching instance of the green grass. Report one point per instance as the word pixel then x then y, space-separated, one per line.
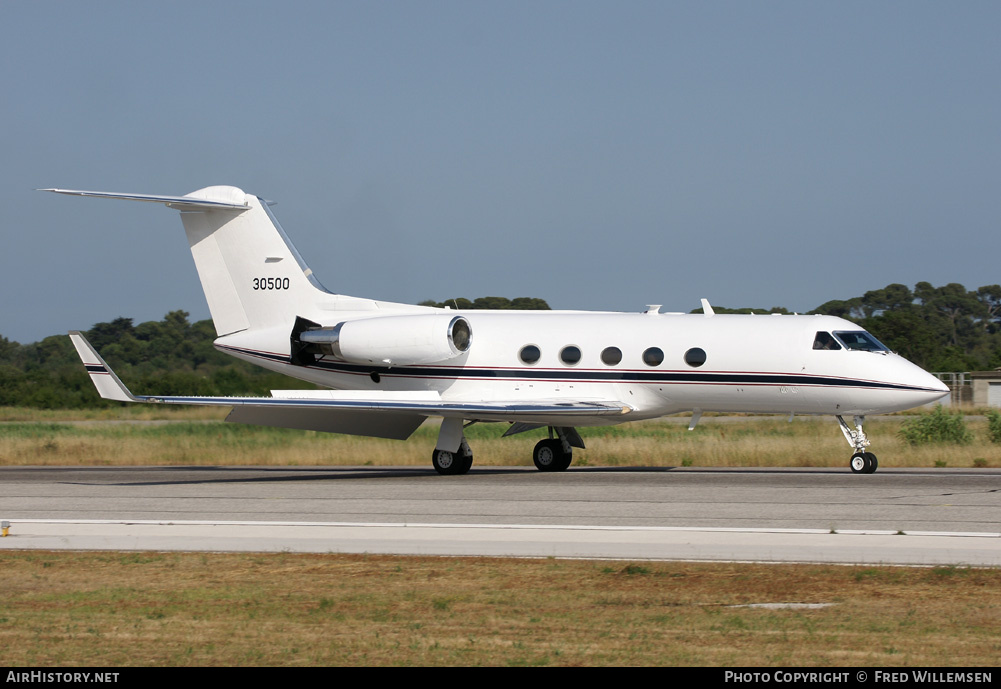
pixel 733 441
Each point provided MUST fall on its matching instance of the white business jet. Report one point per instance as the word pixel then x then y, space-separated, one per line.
pixel 387 367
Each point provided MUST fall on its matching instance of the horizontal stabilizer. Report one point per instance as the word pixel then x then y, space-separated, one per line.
pixel 219 198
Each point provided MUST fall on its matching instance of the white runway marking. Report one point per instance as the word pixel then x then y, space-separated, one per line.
pixel 515 540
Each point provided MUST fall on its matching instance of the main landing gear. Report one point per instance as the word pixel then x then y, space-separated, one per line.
pixel 452 456
pixel 552 454
pixel 452 463
pixel 556 453
pixel 862 462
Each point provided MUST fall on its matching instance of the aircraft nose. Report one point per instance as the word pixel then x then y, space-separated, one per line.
pixel 914 387
pixel 938 387
pixel 928 386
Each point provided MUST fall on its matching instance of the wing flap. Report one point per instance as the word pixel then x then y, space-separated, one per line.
pixel 397 426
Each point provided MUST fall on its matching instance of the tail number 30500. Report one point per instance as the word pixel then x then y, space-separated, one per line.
pixel 270 283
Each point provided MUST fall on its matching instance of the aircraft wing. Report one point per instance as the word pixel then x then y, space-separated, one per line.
pixel 382 414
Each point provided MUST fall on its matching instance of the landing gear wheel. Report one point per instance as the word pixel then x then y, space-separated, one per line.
pixel 545 455
pixel 549 455
pixel 864 463
pixel 444 462
pixel 450 463
pixel 565 458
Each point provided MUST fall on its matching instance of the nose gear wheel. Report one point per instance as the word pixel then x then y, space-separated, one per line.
pixel 862 462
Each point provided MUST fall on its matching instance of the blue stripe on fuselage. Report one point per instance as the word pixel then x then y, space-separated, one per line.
pixel 583 376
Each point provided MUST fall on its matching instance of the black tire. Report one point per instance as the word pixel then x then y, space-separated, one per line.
pixel 565 459
pixel 549 455
pixel 860 463
pixel 446 463
pixel 873 462
pixel 544 455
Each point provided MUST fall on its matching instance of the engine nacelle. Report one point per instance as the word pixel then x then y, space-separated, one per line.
pixel 390 340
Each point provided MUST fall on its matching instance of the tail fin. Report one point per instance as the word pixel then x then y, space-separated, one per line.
pixel 252 276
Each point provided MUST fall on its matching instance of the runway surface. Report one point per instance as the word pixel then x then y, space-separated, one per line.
pixel 896 516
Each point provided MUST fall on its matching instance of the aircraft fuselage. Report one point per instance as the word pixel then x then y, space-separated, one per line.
pixel 752 363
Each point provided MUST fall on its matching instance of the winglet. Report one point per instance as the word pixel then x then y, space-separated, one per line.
pixel 107 383
pixel 707 309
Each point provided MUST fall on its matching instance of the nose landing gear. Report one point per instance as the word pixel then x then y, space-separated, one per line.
pixel 862 462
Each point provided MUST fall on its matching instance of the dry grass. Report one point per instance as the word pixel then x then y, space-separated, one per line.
pixel 199 437
pixel 108 609
pixel 123 412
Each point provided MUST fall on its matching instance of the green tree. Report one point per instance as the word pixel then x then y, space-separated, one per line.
pixel 744 310
pixel 849 308
pixel 990 298
pixel 103 334
pixel 946 328
pixel 7 348
pixel 521 303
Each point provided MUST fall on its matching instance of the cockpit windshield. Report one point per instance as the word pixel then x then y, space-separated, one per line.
pixel 860 340
pixel 825 341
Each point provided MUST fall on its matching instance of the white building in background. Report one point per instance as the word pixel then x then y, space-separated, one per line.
pixel 986 388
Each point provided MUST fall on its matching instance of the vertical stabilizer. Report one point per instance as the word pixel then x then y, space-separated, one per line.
pixel 252 276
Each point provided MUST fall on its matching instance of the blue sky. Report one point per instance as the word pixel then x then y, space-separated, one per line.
pixel 598 155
